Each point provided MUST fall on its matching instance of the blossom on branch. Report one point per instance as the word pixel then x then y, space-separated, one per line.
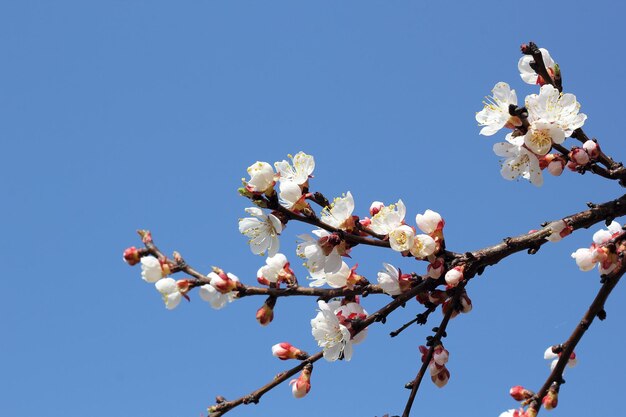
pixel 262 178
pixel 262 230
pixel 495 115
pixel 554 357
pixel 529 75
pixel 339 214
pixel 302 385
pixel 551 106
pixel 519 162
pixel 152 269
pixel 323 254
pixel 276 270
pixel 332 326
pixel 299 172
pixel 392 281
pixel 385 219
pixel 172 291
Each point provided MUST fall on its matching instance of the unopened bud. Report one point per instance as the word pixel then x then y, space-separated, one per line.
pixel 284 351
pixel 376 207
pixel 223 282
pixel 454 276
pixel 466 303
pixel 592 148
pixel 579 156
pixel 301 386
pixel 520 393
pixel 551 400
pixel 435 268
pixel 265 314
pixel 131 256
pixel 442 378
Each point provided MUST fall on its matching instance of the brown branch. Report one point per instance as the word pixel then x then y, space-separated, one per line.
pixel 596 309
pixel 179 265
pixel 379 316
pixel 421 319
pixel 441 330
pixel 254 397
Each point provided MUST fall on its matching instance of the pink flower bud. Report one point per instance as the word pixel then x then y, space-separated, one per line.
pixel 284 351
pixel 454 276
pixel 265 314
pixel 301 386
pixel 520 393
pixel 579 156
pixel 551 400
pixel 131 256
pixel 365 222
pixel 376 207
pixel 555 167
pixel 442 378
pixel 440 355
pixel 592 148
pixel 435 268
pixel 222 281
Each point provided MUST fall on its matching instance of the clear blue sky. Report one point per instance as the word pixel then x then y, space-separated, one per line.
pixel 119 115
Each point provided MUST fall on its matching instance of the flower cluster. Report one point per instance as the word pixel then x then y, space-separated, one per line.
pixel 605 250
pixel 389 221
pixel 439 374
pixel 333 328
pixel 263 230
pixel 546 120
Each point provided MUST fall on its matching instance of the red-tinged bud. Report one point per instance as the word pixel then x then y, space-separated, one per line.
pixel 525 48
pixel 572 166
pixel 592 148
pixel 442 378
pixel 376 207
pixel 520 393
pixel 579 156
pixel 353 278
pixel 404 281
pixel 551 400
pixel 222 281
pixel 131 256
pixel 183 285
pixel 365 222
pixel 284 351
pixel 301 386
pixel 531 412
pixel 435 268
pixel 556 166
pixel 265 314
pixel 454 276
pixel 440 355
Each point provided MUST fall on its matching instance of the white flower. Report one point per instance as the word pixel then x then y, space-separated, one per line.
pixel 519 162
pixel 262 231
pixel 586 258
pixel 261 177
pixel 402 238
pixel 273 269
pixel 211 295
pixel 389 279
pixel 169 291
pixel 346 312
pixel 423 246
pixel 337 279
pixel 303 166
pixel 290 196
pixel 495 115
pixel 603 235
pixel 528 74
pixel 429 221
pixel 387 218
pixel 542 135
pixel 512 413
pixel 332 336
pixel 151 270
pixel 551 106
pixel 315 255
pixel 550 355
pixel 339 215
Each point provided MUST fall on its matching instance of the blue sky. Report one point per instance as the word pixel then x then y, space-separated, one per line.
pixel 121 115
